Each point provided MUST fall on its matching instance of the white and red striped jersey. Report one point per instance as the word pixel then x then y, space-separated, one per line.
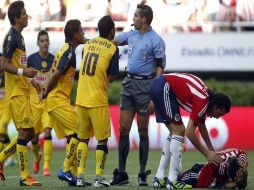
pixel 191 94
pixel 210 171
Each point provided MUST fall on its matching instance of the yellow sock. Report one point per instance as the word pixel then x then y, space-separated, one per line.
pixel 82 152
pixel 36 149
pixel 23 162
pixel 100 161
pixel 9 150
pixel 70 154
pixel 74 165
pixel 47 149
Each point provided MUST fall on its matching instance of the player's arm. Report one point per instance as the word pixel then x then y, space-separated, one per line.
pixel 8 67
pixel 205 136
pixel 230 185
pixel 190 133
pixel 52 83
pixel 113 66
pixel 206 176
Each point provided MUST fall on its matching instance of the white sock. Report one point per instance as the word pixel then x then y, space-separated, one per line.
pixel 176 154
pixel 165 159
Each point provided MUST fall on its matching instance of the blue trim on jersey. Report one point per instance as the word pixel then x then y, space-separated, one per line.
pixel 113 68
pixel 35 61
pixel 143 48
pixel 12 41
pixel 67 60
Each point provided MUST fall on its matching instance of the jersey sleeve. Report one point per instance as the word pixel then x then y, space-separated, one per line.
pixel 159 48
pixel 198 112
pixel 67 60
pixel 123 37
pixel 207 176
pixel 9 46
pixel 113 68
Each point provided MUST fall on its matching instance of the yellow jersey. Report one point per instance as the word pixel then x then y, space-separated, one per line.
pixel 65 62
pixel 100 58
pixel 43 66
pixel 14 49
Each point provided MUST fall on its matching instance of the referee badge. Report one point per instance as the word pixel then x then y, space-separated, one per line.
pixel 44 64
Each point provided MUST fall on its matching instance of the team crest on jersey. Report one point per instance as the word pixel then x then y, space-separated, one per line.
pixel 26 120
pixel 9 38
pixel 23 59
pixel 177 117
pixel 44 64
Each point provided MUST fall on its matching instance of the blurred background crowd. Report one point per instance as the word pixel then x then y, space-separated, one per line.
pixel 169 15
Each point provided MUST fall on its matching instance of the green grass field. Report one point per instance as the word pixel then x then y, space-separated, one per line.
pixel 52 182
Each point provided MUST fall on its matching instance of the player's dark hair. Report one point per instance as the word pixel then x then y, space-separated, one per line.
pixel 105 25
pixel 41 33
pixel 146 11
pixel 14 11
pixel 71 27
pixel 219 100
pixel 244 182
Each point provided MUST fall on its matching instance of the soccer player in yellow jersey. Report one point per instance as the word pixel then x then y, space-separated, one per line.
pixel 17 90
pixel 99 66
pixel 5 117
pixel 58 92
pixel 42 62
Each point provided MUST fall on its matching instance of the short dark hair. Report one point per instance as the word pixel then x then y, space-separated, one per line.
pixel 71 27
pixel 219 100
pixel 41 33
pixel 14 10
pixel 105 25
pixel 146 11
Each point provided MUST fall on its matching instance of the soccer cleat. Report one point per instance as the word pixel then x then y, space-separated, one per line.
pixel 29 181
pixel 159 183
pixel 36 164
pixel 46 172
pixel 81 182
pixel 177 185
pixel 119 178
pixel 142 178
pixel 67 176
pixel 100 182
pixel 2 177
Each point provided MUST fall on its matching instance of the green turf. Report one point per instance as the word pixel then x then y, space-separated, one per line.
pixel 189 158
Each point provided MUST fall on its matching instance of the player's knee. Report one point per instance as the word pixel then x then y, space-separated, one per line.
pixel 124 131
pixel 143 133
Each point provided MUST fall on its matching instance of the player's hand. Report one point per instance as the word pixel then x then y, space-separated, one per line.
pixel 29 72
pixel 36 85
pixel 42 95
pixel 211 156
pixel 151 107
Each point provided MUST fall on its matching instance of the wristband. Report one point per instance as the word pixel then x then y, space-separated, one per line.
pixel 20 71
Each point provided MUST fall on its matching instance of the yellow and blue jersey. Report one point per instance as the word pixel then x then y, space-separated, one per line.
pixel 14 49
pixel 43 66
pixel 100 58
pixel 65 62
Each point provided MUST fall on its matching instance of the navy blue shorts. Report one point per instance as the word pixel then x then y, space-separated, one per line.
pixel 165 104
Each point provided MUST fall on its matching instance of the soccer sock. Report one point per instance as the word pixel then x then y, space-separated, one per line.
pixel 9 150
pixel 143 153
pixel 36 149
pixel 47 150
pixel 123 151
pixel 22 157
pixel 74 165
pixel 70 153
pixel 100 155
pixel 176 154
pixel 82 152
pixel 165 159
